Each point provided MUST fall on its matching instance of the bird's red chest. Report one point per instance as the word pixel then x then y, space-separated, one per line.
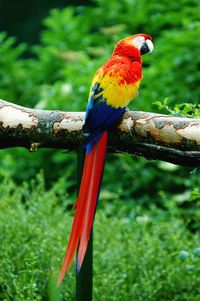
pixel 127 71
pixel 131 73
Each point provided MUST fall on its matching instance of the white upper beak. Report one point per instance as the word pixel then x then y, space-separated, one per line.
pixel 150 45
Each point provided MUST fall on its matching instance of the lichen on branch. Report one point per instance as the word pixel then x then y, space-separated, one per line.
pixel 154 136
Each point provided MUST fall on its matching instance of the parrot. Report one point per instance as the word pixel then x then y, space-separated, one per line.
pixel 114 85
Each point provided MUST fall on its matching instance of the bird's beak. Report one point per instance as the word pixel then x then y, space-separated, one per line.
pixel 147 47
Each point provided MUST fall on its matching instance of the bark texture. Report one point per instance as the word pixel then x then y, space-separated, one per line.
pixel 154 136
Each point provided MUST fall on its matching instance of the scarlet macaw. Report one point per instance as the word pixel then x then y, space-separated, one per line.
pixel 114 85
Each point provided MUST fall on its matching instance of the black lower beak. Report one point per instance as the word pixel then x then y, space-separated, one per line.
pixel 144 49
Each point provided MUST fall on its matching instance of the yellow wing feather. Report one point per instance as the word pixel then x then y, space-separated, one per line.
pixel 115 94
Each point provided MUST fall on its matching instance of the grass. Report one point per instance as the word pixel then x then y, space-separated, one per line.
pixel 139 254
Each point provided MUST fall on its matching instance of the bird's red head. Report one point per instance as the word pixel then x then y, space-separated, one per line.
pixel 134 46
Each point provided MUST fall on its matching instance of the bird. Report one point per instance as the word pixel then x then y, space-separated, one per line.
pixel 114 85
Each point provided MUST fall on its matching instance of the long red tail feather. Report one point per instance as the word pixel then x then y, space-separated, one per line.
pixel 85 205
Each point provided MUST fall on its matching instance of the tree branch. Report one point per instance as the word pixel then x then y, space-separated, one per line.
pixel 154 136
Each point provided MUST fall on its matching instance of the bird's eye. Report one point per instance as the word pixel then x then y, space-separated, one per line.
pixel 138 41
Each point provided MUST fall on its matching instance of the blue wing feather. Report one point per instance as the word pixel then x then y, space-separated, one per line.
pixel 99 116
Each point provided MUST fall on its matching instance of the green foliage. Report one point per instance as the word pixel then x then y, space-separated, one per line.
pixel 143 260
pixel 138 254
pixel 12 72
pixel 31 240
pixel 183 109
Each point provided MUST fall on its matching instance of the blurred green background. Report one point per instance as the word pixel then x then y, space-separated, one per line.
pixel 147 224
